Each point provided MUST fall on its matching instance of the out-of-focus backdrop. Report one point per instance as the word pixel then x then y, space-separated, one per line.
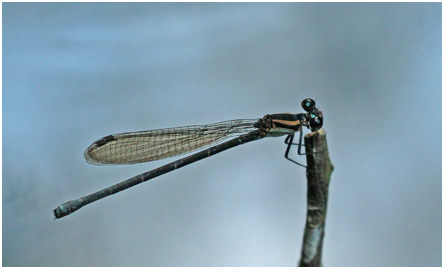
pixel 74 72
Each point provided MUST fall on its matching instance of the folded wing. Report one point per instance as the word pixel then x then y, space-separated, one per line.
pixel 145 146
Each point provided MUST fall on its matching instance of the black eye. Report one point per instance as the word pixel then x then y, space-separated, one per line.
pixel 308 104
pixel 315 122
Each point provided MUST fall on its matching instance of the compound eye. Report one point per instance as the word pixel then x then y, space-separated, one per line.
pixel 316 122
pixel 308 104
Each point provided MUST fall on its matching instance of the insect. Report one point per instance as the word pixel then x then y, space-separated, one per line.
pixel 145 146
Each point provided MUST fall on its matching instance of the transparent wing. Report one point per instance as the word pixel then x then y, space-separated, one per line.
pixel 145 146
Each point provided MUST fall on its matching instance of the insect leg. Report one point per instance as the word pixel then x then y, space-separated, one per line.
pixel 289 142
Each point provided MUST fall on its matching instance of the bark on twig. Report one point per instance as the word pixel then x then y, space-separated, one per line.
pixel 319 169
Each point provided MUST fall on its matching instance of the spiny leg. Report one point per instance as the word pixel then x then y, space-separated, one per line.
pixel 289 142
pixel 300 144
pixel 296 144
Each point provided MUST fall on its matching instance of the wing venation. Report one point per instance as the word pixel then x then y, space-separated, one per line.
pixel 145 146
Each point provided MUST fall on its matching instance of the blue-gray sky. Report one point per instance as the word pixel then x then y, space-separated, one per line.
pixel 73 73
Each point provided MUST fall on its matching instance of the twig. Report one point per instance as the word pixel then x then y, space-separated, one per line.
pixel 319 169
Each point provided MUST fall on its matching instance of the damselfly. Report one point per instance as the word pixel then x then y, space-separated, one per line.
pixel 145 146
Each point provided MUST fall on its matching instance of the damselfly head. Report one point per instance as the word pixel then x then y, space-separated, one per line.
pixel 314 115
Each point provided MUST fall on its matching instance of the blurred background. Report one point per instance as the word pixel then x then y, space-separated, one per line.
pixel 75 72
